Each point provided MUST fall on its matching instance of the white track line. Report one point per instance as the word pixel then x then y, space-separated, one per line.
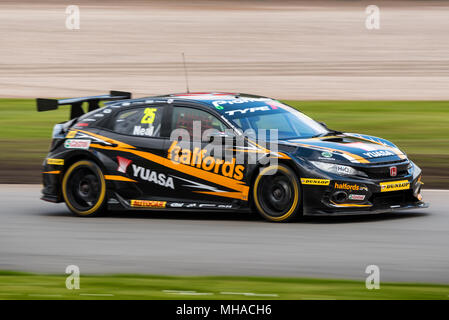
pixel 97 294
pixel 45 295
pixel 192 293
pixel 250 294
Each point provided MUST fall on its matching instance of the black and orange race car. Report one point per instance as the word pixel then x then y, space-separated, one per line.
pixel 191 151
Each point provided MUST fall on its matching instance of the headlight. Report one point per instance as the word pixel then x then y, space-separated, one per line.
pixel 410 167
pixel 338 169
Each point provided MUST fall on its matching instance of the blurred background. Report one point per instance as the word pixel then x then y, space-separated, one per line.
pixel 317 55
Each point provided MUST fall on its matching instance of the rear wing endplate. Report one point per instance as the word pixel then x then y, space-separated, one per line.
pixel 76 103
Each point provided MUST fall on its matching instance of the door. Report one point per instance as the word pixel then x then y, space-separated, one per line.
pixel 204 171
pixel 142 128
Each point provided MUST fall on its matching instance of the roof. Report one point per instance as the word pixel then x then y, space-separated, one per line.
pixel 219 101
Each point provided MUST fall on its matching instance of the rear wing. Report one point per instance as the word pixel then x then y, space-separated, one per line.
pixel 76 103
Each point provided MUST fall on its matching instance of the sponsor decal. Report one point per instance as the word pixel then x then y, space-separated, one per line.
pixel 318 182
pixel 207 205
pixel 123 164
pixel 346 186
pixel 113 201
pixel 344 169
pixel 363 188
pixel 140 131
pixel 176 204
pixel 248 110
pixel 358 197
pixel 327 154
pixel 363 146
pixel 377 154
pixel 56 162
pixel 393 171
pixel 82 124
pixel 71 134
pixel 99 115
pixel 90 120
pixel 77 144
pixel 394 186
pixel 152 176
pixel 148 204
pixel 191 205
pixel 198 159
pixel 225 206
pixel 218 104
pixel 107 111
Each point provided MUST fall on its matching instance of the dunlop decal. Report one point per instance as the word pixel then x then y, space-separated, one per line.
pixel 394 186
pixel 317 182
pixel 57 162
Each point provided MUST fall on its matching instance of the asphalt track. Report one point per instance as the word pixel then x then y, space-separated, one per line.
pixel 43 237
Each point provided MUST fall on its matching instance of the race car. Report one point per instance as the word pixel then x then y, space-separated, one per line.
pixel 211 151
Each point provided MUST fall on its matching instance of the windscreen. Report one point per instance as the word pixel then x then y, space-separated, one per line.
pixel 289 122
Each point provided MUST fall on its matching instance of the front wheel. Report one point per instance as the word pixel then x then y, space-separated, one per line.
pixel 276 193
pixel 84 188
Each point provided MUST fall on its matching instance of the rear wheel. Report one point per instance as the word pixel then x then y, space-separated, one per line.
pixel 276 193
pixel 84 188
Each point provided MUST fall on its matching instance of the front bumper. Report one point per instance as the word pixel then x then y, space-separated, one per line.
pixel 391 209
pixel 348 196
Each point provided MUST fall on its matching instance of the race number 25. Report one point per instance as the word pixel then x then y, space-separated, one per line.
pixel 149 115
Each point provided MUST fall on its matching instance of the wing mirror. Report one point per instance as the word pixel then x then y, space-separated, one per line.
pixel 323 124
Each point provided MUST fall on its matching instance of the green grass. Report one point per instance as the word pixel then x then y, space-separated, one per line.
pixel 14 285
pixel 417 127
pixel 420 128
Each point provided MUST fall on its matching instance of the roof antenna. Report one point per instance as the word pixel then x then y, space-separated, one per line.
pixel 185 72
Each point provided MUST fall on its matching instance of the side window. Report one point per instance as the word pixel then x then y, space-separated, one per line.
pixel 183 118
pixel 145 122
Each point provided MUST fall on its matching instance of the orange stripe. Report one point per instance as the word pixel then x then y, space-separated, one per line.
pixel 281 155
pixel 350 205
pixel 193 171
pixel 118 143
pixel 396 151
pixel 235 195
pixel 356 157
pixel 118 178
pixel 52 172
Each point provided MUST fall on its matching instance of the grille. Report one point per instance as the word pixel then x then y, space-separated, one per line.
pixel 392 198
pixel 382 171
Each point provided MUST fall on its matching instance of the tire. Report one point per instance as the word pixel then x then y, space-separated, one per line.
pixel 276 193
pixel 84 189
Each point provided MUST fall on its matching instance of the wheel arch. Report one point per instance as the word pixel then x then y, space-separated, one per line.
pixel 287 162
pixel 78 156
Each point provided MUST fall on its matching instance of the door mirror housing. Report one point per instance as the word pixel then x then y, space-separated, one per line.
pixel 323 124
